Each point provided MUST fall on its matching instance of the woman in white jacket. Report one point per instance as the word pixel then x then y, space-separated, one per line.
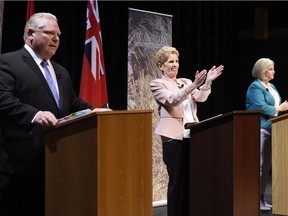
pixel 177 105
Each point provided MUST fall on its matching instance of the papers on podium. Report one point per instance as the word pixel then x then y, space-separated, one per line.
pixel 81 113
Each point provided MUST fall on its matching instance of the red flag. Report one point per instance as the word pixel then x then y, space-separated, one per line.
pixel 30 9
pixel 93 80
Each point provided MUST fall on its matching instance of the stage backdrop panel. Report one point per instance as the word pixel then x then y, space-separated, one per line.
pixel 1 23
pixel 148 32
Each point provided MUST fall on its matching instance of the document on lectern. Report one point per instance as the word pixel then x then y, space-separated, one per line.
pixel 75 115
pixel 81 113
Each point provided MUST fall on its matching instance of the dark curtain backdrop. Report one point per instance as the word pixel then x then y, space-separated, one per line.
pixel 205 33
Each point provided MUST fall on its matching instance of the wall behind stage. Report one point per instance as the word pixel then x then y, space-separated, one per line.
pixel 205 33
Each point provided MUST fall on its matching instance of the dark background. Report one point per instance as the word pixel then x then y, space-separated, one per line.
pixel 205 33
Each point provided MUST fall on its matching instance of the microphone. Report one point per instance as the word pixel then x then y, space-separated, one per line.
pixel 180 86
pixel 267 89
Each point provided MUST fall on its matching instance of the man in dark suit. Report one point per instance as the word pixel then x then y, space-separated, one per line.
pixel 27 108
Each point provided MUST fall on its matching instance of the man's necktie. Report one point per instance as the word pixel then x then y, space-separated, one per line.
pixel 50 81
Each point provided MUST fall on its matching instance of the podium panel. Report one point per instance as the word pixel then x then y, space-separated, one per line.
pixel 225 165
pixel 100 165
pixel 280 165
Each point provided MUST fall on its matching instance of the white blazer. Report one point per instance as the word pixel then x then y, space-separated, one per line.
pixel 169 96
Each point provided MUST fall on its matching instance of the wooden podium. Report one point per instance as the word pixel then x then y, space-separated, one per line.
pixel 280 165
pixel 225 165
pixel 100 165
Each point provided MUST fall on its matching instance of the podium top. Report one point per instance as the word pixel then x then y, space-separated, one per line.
pixel 222 117
pixel 279 118
pixel 84 114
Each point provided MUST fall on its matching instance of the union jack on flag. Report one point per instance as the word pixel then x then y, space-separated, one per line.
pixel 93 88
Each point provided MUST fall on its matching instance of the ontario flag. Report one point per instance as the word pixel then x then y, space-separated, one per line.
pixel 93 79
pixel 30 9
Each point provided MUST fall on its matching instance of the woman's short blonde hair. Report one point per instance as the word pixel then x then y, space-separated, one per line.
pixel 260 67
pixel 162 55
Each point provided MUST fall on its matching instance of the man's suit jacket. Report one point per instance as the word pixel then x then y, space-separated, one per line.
pixel 169 96
pixel 23 92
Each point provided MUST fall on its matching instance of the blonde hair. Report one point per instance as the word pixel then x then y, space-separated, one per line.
pixel 260 67
pixel 36 22
pixel 162 55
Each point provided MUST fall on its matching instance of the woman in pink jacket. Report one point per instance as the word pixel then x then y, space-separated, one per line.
pixel 177 99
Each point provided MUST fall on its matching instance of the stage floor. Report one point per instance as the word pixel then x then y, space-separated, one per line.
pixel 162 211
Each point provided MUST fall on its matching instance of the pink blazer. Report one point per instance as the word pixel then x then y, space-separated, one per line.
pixel 169 96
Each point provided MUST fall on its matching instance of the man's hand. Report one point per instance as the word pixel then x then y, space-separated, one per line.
pixel 45 119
